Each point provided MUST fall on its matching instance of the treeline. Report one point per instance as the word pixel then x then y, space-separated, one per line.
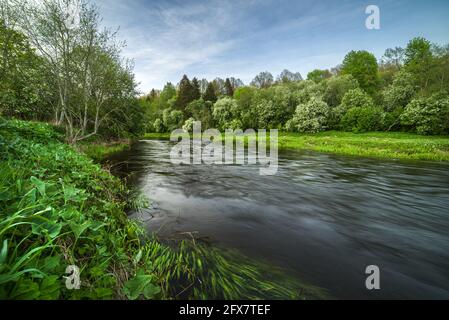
pixel 407 90
pixel 58 65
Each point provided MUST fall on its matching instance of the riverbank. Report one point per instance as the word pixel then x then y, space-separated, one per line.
pixel 99 151
pixel 58 208
pixel 383 145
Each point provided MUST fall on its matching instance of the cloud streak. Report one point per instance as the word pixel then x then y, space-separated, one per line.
pixel 241 38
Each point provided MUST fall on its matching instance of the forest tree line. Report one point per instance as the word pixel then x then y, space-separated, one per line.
pixel 407 90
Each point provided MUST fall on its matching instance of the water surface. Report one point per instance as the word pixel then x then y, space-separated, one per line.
pixel 322 217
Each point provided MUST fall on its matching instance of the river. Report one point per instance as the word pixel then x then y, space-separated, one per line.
pixel 324 218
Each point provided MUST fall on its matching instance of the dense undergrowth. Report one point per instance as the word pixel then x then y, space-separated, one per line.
pixel 58 208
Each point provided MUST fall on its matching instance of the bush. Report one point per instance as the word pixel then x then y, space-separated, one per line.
pixel 400 92
pixel 188 125
pixel 428 115
pixel 158 125
pixel 356 98
pixel 224 111
pixel 310 117
pixel 173 119
pixel 362 119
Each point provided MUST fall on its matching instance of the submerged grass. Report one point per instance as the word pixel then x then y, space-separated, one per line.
pixel 58 208
pixel 383 145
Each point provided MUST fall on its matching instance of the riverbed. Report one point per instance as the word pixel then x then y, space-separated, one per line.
pixel 323 218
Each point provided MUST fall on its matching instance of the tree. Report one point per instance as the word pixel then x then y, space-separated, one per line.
pixel 210 94
pixel 336 87
pixel 263 80
pixel 362 65
pixel 185 93
pixel 168 93
pixel 224 112
pixel 400 92
pixel 356 98
pixel 229 88
pixel 428 115
pixel 196 91
pixel 203 86
pixel 24 90
pixel 318 75
pixel 201 110
pixel 92 82
pixel 418 60
pixel 310 117
pixel 219 85
pixel 158 125
pixel 393 57
pixel 236 83
pixel 362 119
pixel 172 119
pixel 287 76
pixel 245 98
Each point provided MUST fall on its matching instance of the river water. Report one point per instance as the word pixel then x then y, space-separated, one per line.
pixel 324 218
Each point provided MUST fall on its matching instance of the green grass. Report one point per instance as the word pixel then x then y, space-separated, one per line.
pixel 155 135
pixel 99 151
pixel 59 208
pixel 384 145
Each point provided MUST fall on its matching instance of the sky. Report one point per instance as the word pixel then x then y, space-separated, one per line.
pixel 240 38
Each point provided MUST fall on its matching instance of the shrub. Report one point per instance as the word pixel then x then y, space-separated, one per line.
pixel 224 111
pixel 173 119
pixel 188 125
pixel 356 98
pixel 428 115
pixel 310 117
pixel 362 119
pixel 158 125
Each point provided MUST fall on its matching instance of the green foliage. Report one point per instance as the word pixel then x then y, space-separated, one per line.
pixel 23 86
pixel 201 110
pixel 318 75
pixel 58 208
pixel 172 119
pixel 428 115
pixel 186 93
pixel 400 92
pixel 210 94
pixel 337 87
pixel 188 125
pixel 229 88
pixel 356 98
pixel 362 65
pixel 224 111
pixel 362 119
pixel 158 125
pixel 311 116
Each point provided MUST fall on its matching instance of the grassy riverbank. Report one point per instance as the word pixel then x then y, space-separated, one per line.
pixel 59 208
pixel 384 145
pixel 98 151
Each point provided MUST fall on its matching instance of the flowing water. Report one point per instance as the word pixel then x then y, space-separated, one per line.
pixel 323 217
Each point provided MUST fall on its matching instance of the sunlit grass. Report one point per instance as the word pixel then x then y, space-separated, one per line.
pixel 385 145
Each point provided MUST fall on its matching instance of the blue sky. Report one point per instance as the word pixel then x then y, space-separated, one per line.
pixel 210 39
